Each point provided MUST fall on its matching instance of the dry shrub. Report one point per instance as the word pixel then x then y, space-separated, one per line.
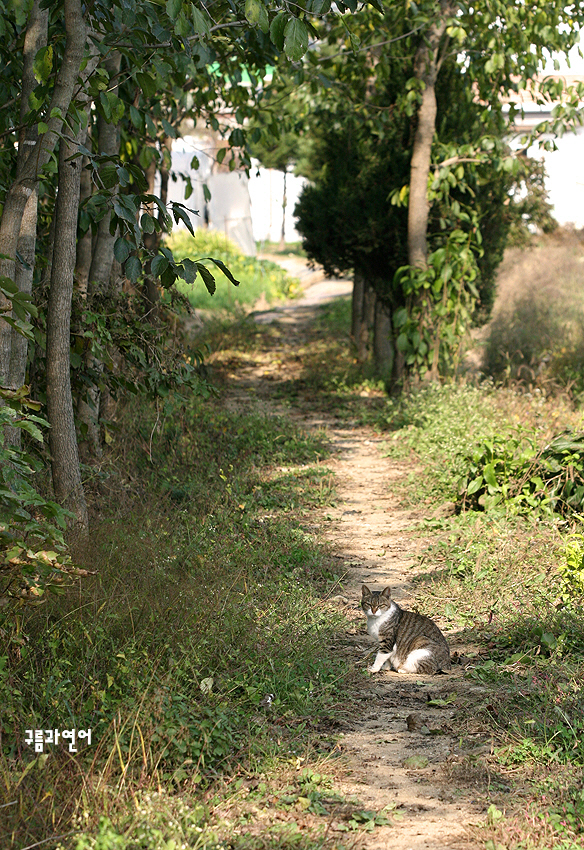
pixel 536 334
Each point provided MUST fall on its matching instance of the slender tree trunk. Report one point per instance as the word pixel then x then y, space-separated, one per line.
pixel 427 64
pixel 282 244
pixel 84 242
pixel 38 156
pixel 65 467
pixel 62 437
pixel 108 141
pixel 383 349
pixel 357 306
pixel 35 38
pixel 363 305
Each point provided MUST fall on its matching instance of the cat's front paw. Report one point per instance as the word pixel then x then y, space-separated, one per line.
pixel 372 669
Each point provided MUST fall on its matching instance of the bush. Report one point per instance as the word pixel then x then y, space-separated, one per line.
pixel 536 336
pixel 514 471
pixel 256 277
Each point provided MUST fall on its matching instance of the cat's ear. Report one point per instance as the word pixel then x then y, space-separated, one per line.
pixel 365 590
pixel 386 592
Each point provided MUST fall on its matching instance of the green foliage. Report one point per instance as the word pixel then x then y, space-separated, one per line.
pixel 514 471
pixel 572 568
pixel 441 424
pixel 33 555
pixel 361 167
pixel 256 277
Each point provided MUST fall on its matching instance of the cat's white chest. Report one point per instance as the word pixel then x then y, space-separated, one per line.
pixel 376 621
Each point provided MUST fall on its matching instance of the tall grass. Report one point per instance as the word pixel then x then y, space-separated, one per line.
pixel 536 335
pixel 199 635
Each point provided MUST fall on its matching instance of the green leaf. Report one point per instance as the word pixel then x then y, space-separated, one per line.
pixel 108 174
pixel 147 223
pixel 132 268
pixel 474 485
pixel 189 272
pixel 122 249
pixel 208 278
pixel 147 83
pixel 549 640
pixel 256 13
pixel 182 25
pixel 403 342
pixel 136 118
pixel 489 475
pixel 159 265
pixel 180 214
pixel 43 64
pixel 277 28
pixel 23 328
pixel 168 277
pixel 201 22
pixel 221 265
pixel 295 39
pixel 173 8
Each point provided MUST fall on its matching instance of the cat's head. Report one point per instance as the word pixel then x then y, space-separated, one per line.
pixel 375 602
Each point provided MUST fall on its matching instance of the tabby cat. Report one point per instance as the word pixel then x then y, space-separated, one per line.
pixel 410 642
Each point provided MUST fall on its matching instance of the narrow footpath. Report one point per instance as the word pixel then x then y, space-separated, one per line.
pixel 406 752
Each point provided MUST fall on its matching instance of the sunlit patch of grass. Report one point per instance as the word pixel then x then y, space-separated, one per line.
pixel 492 578
pixel 256 277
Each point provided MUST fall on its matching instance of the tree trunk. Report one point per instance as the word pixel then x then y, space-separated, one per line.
pixel 427 63
pixel 84 242
pixel 383 349
pixel 66 472
pixel 35 38
pixel 62 438
pixel 357 314
pixel 363 315
pixel 282 244
pixel 108 142
pixel 36 159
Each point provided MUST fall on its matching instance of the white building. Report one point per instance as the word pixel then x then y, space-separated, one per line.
pixel 564 166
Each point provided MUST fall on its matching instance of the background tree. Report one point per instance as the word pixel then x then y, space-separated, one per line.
pixel 404 88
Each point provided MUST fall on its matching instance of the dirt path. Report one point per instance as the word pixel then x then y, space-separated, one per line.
pixel 402 749
pixel 402 753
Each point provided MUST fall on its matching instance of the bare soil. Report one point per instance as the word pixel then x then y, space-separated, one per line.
pixel 439 796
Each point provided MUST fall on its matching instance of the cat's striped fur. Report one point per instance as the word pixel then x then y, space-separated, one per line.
pixel 410 642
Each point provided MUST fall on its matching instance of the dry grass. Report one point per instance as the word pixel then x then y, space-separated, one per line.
pixel 536 333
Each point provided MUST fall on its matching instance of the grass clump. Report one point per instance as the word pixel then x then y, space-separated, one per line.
pixel 257 278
